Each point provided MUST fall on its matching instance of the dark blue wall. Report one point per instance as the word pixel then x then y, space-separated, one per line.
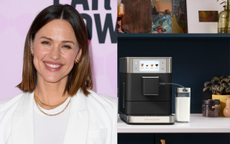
pixel 195 60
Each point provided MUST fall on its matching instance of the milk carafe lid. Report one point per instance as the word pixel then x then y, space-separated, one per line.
pixel 182 90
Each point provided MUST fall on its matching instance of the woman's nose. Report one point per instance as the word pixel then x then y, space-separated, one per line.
pixel 55 53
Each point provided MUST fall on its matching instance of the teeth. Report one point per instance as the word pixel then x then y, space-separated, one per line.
pixel 53 66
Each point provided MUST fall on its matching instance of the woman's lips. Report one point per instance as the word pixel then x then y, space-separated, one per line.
pixel 52 66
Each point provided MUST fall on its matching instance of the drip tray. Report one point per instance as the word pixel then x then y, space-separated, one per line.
pixel 148 119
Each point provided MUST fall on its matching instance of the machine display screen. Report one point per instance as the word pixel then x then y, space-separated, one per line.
pixel 149 65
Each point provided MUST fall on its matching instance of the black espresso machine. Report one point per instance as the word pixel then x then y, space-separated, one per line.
pixel 145 93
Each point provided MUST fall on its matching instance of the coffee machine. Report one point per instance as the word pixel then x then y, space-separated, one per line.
pixel 144 94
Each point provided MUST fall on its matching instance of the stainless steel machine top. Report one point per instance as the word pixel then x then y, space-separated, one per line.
pixel 146 65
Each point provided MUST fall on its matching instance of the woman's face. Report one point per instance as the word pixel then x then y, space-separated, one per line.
pixel 55 50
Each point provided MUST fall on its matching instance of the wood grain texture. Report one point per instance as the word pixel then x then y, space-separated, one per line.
pixel 137 17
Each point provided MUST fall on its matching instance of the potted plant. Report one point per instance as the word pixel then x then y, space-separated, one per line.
pixel 223 22
pixel 220 87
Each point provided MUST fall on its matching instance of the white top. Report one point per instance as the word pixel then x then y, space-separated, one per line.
pixel 50 129
pixel 197 124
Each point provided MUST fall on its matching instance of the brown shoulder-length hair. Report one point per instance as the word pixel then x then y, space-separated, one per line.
pixel 80 77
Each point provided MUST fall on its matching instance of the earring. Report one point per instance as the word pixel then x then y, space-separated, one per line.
pixel 76 62
pixel 32 53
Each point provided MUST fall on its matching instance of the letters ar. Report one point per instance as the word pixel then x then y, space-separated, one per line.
pixel 101 33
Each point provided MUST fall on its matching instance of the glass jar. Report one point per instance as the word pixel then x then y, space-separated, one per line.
pixel 211 108
pixel 223 25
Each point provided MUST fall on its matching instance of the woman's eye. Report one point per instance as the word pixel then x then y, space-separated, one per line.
pixel 45 42
pixel 66 46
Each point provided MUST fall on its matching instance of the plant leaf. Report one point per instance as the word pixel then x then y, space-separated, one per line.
pixel 220 88
pixel 221 77
pixel 225 85
pixel 214 87
pixel 204 89
pixel 210 88
pixel 225 79
pixel 227 90
pixel 206 83
pixel 222 2
pixel 215 79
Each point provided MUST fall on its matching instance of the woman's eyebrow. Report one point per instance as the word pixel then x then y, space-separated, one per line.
pixel 65 41
pixel 68 42
pixel 46 38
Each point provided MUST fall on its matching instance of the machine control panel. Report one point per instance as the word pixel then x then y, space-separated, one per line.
pixel 146 64
pixel 149 65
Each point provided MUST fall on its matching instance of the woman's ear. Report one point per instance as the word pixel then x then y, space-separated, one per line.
pixel 77 59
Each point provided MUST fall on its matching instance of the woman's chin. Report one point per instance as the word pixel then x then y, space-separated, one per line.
pixel 55 79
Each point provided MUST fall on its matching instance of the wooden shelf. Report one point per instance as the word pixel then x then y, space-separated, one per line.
pixel 198 124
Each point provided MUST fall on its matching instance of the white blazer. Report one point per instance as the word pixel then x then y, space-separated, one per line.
pixel 92 120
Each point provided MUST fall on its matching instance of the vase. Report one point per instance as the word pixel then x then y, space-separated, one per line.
pixel 222 101
pixel 223 21
pixel 226 110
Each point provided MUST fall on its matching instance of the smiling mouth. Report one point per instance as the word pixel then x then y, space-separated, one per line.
pixel 52 65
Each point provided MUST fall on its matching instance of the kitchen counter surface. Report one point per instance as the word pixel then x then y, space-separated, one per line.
pixel 197 124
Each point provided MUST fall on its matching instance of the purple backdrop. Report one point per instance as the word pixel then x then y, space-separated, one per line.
pixel 16 17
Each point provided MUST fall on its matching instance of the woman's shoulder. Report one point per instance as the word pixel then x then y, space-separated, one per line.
pixel 7 110
pixel 8 103
pixel 101 99
pixel 102 110
pixel 102 107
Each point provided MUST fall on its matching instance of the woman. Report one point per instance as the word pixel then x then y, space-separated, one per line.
pixel 57 105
